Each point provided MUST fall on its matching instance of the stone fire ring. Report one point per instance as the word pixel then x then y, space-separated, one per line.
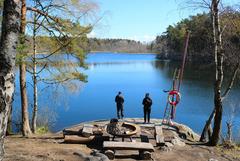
pixel 133 129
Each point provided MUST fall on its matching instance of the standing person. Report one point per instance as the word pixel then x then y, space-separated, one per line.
pixel 119 102
pixel 147 103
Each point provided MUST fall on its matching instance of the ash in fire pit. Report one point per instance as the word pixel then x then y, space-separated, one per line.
pixel 121 129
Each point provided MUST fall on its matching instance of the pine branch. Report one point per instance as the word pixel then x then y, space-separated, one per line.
pixel 43 13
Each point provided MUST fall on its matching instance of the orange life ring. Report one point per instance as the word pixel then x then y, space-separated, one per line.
pixel 171 96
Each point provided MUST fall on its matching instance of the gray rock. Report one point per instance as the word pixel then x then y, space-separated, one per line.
pixel 167 144
pixel 177 142
pixel 95 156
pixel 92 158
pixel 145 155
pixel 211 159
pixel 102 156
pixel 165 149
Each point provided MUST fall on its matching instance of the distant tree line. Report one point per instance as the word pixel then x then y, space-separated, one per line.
pixel 117 45
pixel 46 43
pixel 170 44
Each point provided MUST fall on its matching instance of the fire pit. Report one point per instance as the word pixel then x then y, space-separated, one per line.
pixel 122 129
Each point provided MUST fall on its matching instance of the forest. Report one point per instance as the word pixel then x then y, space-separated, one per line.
pixel 169 45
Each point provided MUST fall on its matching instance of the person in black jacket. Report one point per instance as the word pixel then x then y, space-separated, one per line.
pixel 147 103
pixel 119 102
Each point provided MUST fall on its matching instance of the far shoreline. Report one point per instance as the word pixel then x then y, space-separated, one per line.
pixel 120 52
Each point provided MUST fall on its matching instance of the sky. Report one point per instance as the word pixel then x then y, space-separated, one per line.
pixel 141 20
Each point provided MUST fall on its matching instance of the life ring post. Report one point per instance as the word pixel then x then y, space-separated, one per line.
pixel 174 97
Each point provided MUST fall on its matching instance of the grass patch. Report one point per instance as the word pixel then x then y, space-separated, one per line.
pixel 230 149
pixel 42 130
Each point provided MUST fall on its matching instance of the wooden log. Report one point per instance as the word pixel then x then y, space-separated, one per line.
pixel 74 139
pixel 87 130
pixel 159 131
pixel 159 136
pixel 128 146
pixel 110 154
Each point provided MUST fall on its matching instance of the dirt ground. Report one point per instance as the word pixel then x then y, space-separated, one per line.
pixel 41 149
pixel 50 147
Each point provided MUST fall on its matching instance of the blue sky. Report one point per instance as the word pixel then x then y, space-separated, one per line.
pixel 141 19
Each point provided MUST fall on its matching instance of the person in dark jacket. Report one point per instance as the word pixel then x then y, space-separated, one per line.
pixel 147 103
pixel 119 102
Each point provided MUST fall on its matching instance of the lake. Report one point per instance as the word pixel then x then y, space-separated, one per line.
pixel 133 75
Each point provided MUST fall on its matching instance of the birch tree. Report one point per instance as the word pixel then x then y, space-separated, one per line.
pixel 8 45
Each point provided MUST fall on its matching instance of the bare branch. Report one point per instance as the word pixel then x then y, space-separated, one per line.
pixel 29 71
pixel 231 82
pixel 42 68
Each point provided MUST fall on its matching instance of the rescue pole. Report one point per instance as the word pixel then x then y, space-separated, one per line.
pixel 174 95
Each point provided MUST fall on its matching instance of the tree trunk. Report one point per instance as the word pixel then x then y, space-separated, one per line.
pixel 210 132
pixel 218 52
pixel 9 39
pixel 229 131
pixel 26 131
pixel 207 127
pixel 9 126
pixel 35 94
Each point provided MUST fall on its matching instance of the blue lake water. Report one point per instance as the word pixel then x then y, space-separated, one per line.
pixel 134 75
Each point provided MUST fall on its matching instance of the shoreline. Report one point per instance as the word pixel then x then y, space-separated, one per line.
pixel 121 52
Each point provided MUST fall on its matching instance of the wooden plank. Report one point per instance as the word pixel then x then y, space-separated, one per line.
pixel 128 146
pixel 159 135
pixel 158 130
pixel 87 130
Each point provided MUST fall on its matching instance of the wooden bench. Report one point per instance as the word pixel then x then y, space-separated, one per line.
pixel 144 149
